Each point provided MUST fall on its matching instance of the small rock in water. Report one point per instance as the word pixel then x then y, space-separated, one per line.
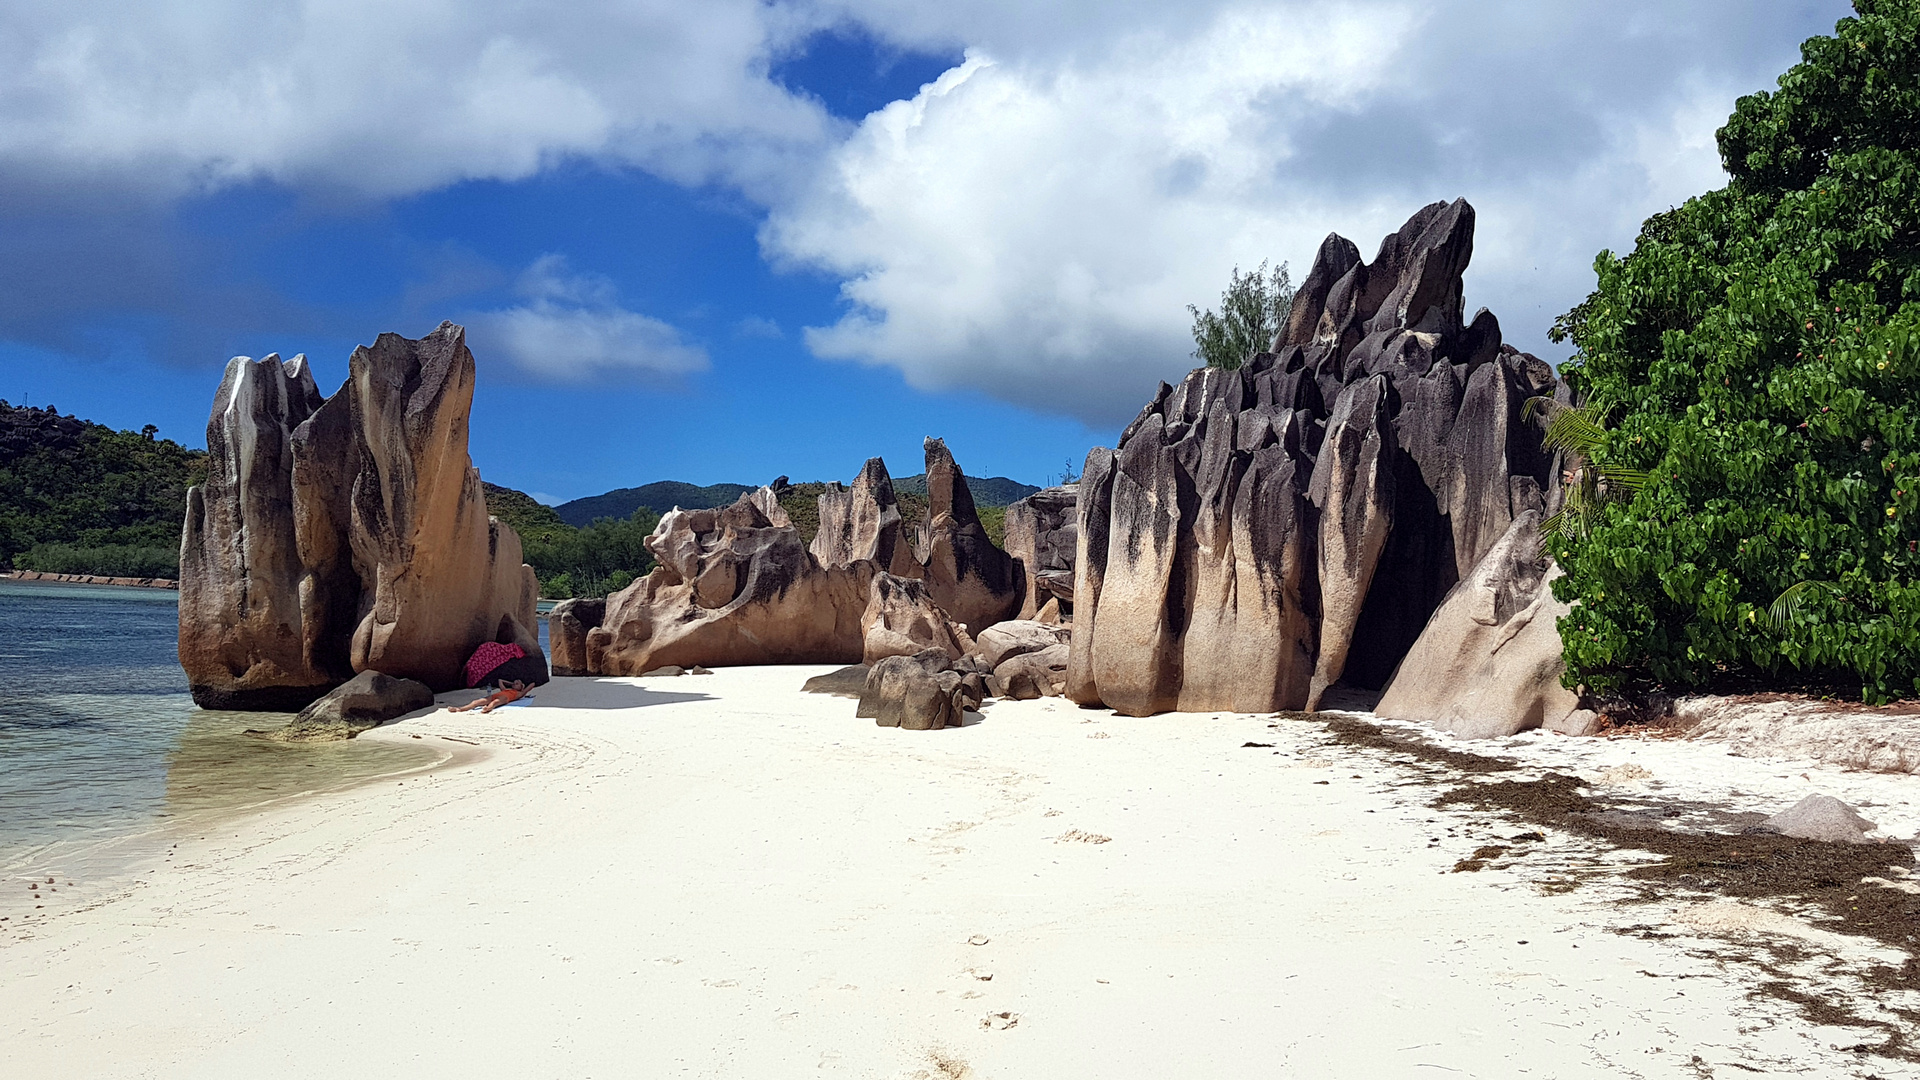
pixel 1822 817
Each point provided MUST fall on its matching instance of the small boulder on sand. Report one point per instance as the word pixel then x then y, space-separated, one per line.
pixel 1003 641
pixel 365 701
pixel 1034 674
pixel 849 681
pixel 919 693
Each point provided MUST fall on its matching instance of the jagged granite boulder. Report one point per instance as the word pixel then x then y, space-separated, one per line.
pixel 862 522
pixel 1037 674
pixel 567 627
pixel 915 693
pixel 733 586
pixel 971 579
pixel 242 640
pixel 1005 640
pixel 1489 663
pixel 1042 534
pixel 901 620
pixel 343 535
pixel 1260 535
pixel 365 701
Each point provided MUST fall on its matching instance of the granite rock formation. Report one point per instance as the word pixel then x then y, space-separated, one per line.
pixel 567 627
pixel 862 522
pixel 971 579
pixel 343 535
pixel 1006 640
pixel 733 586
pixel 737 586
pixel 1037 674
pixel 1042 535
pixel 1262 534
pixel 363 702
pixel 242 641
pixel 917 693
pixel 901 620
pixel 1489 663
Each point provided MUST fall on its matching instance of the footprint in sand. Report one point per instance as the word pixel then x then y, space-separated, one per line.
pixel 1000 1021
pixel 1075 836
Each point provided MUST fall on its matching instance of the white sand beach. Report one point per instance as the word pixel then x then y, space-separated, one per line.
pixel 718 876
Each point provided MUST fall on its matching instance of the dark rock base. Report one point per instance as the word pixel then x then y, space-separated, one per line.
pixel 264 699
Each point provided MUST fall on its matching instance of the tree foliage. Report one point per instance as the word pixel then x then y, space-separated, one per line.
pixel 1757 359
pixel 1252 310
pixel 603 557
pixel 81 498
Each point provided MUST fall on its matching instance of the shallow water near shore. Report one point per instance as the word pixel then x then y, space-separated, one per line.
pixel 100 741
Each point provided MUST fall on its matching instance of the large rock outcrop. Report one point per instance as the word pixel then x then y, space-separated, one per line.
pixel 1489 663
pixel 1042 535
pixel 971 579
pixel 737 585
pixel 733 586
pixel 241 625
pixel 902 620
pixel 1262 534
pixel 343 535
pixel 862 522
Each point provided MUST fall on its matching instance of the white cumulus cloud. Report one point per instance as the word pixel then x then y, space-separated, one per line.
pixel 571 329
pixel 1034 223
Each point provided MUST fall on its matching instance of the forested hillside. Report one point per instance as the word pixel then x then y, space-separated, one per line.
pixel 81 498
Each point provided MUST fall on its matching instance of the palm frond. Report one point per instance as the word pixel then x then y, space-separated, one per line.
pixel 1789 603
pixel 1572 430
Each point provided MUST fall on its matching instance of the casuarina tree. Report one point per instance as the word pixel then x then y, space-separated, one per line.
pixel 1252 310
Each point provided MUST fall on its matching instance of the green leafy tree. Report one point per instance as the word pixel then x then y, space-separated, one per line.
pixel 1252 310
pixel 1756 361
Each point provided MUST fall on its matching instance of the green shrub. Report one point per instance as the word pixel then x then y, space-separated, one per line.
pixel 1757 355
pixel 109 560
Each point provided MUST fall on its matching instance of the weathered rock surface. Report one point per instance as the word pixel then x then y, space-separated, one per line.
pixel 1489 662
pixel 1875 739
pixel 365 701
pixel 1015 636
pixel 1038 674
pixel 241 639
pixel 1260 535
pixel 737 586
pixel 973 581
pixel 916 693
pixel 1042 536
pixel 733 586
pixel 1822 817
pixel 901 620
pixel 863 522
pixel 343 535
pixel 567 627
pixel 849 681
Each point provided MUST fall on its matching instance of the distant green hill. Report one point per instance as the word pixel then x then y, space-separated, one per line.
pixel 987 490
pixel 658 497
pixel 81 498
pixel 593 561
pixel 664 495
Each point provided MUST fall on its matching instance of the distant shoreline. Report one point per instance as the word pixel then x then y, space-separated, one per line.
pixel 90 579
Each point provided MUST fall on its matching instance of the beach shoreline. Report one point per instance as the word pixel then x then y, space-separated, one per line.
pixel 718 875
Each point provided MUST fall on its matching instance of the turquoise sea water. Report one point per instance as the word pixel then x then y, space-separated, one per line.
pixel 99 738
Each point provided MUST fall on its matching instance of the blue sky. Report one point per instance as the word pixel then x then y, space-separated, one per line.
pixel 727 241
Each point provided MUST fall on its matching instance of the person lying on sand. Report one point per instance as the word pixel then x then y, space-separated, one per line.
pixel 511 690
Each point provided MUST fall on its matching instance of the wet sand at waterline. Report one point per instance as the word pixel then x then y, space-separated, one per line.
pixel 718 876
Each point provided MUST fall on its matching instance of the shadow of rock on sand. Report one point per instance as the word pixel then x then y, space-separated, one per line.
pixel 575 693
